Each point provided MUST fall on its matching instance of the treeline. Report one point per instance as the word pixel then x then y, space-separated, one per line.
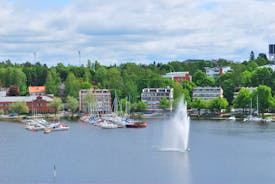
pixel 128 79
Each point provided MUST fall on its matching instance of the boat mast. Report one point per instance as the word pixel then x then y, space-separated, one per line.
pixel 257 105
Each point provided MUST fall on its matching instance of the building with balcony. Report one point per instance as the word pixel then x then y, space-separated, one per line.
pixel 207 93
pixel 152 96
pixel 179 76
pixel 99 102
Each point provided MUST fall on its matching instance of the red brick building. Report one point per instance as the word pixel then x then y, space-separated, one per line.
pixel 37 104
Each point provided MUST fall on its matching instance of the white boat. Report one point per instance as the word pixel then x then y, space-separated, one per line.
pixel 58 126
pixel 232 118
pixel 253 119
pixel 108 125
pixel 267 120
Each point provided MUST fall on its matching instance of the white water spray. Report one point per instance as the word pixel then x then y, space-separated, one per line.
pixel 176 132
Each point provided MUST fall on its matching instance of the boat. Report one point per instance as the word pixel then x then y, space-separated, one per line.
pixel 252 119
pixel 47 130
pixel 58 127
pixel 232 118
pixel 141 124
pixel 108 125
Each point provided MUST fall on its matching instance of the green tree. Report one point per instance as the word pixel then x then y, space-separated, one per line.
pixel 218 104
pixel 72 104
pixel 264 98
pixel 51 82
pixel 138 106
pixel 57 105
pixel 262 76
pixel 90 103
pixel 164 103
pixel 72 85
pixel 246 79
pixel 199 104
pixel 200 79
pixel 19 107
pixel 243 98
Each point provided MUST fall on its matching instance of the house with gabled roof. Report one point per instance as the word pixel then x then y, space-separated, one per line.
pixel 37 90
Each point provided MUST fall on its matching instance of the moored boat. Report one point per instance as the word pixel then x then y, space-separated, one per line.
pixel 141 124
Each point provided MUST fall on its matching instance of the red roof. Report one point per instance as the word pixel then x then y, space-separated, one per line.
pixel 37 89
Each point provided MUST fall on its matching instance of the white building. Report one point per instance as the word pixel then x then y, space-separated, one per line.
pixel 101 102
pixel 207 93
pixel 217 71
pixel 152 96
pixel 178 76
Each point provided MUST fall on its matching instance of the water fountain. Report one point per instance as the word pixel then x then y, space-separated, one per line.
pixel 176 130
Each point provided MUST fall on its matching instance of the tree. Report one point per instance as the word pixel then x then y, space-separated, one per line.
pixel 246 78
pixel 262 76
pixel 19 107
pixel 200 79
pixel 243 98
pixel 72 104
pixel 252 56
pixel 218 104
pixel 199 104
pixel 261 59
pixel 13 91
pixel 264 98
pixel 72 85
pixel 57 105
pixel 51 87
pixel 52 81
pixel 90 102
pixel 164 103
pixel 139 106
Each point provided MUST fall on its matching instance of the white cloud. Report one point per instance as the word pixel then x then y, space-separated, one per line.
pixel 141 31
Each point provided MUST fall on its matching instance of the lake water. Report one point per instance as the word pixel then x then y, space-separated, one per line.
pixel 221 152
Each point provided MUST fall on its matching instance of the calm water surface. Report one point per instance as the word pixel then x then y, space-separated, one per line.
pixel 221 152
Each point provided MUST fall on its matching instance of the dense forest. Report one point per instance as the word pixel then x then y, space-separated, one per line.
pixel 128 79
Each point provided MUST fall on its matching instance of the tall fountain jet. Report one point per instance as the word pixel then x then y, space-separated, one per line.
pixel 176 131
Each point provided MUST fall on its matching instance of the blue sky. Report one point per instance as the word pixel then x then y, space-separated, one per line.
pixel 134 31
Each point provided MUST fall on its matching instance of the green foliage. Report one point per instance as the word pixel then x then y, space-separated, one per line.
pixel 199 104
pixel 72 104
pixel 261 76
pixel 243 99
pixel 218 104
pixel 1 112
pixel 164 103
pixel 264 97
pixel 19 107
pixel 139 106
pixel 200 79
pixel 57 104
pixel 72 85
pixel 52 81
pixel 90 102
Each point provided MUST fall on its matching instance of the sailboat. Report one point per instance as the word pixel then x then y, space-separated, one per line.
pixel 251 117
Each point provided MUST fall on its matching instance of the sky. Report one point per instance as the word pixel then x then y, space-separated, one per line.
pixel 140 31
